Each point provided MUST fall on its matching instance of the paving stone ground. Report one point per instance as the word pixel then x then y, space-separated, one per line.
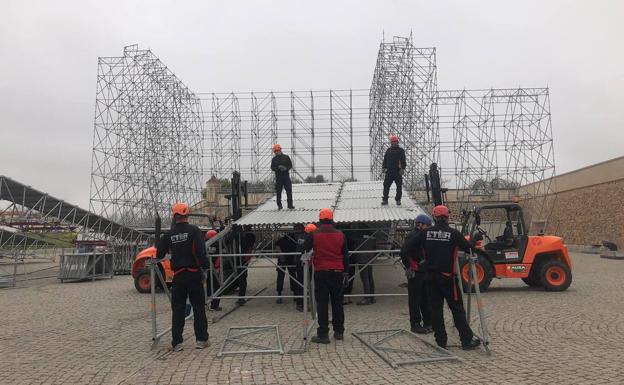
pixel 99 333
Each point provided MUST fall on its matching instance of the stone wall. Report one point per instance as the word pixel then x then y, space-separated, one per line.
pixel 588 215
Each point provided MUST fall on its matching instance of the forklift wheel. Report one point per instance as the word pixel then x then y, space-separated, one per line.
pixel 484 273
pixel 142 281
pixel 555 275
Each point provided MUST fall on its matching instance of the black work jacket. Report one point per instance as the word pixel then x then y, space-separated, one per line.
pixel 281 160
pixel 394 159
pixel 186 244
pixel 439 245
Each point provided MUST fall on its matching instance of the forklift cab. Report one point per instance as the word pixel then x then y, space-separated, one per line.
pixel 498 230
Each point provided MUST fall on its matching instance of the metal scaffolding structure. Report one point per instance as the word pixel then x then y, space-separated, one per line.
pixel 147 142
pixel 149 146
pixel 501 142
pixel 403 102
pixel 324 133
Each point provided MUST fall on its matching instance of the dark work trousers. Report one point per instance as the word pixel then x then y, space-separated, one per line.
pixel 292 271
pixel 188 284
pixel 441 288
pixel 417 298
pixel 397 178
pixel 328 288
pixel 349 288
pixel 282 181
pixel 215 286
pixel 242 280
pixel 366 275
pixel 298 288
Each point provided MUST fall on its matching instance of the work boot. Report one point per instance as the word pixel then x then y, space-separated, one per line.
pixel 443 346
pixel 429 328
pixel 346 301
pixel 279 301
pixel 299 307
pixel 320 340
pixel 178 348
pixel 202 344
pixel 384 202
pixel 364 301
pixel 279 207
pixel 398 202
pixel 419 329
pixel 241 301
pixel 216 308
pixel 338 336
pixel 472 344
pixel 372 299
pixel 291 207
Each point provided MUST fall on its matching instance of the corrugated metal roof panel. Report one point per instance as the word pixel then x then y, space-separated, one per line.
pixel 366 194
pixel 310 195
pixel 386 214
pixel 310 204
pixel 358 202
pixel 281 217
pixel 372 203
pixel 316 187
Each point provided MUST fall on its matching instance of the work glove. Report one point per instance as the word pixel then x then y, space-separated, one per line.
pixel 282 168
pixel 345 279
pixel 409 273
pixel 385 170
pixel 401 171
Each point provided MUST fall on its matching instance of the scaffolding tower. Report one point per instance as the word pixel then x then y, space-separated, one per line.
pixel 403 102
pixel 147 142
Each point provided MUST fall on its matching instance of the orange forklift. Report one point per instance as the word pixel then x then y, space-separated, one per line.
pixel 539 260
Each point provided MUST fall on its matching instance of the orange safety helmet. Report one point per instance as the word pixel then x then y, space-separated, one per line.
pixel 277 147
pixel 310 228
pixel 327 214
pixel 440 211
pixel 211 233
pixel 394 138
pixel 180 209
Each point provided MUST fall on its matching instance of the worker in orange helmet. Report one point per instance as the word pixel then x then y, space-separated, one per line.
pixel 188 256
pixel 439 245
pixel 281 165
pixel 393 169
pixel 212 280
pixel 331 266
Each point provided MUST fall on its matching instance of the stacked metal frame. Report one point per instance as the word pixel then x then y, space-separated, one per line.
pixel 147 142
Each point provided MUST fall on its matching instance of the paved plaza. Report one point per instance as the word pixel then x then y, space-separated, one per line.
pixel 99 332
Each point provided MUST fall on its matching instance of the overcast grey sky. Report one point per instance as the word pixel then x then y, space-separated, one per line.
pixel 49 52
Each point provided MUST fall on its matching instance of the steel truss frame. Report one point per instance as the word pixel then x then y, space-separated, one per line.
pixel 147 142
pixel 385 352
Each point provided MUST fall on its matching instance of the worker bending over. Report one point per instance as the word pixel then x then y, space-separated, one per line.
pixel 393 168
pixel 185 242
pixel 417 298
pixel 331 263
pixel 440 244
pixel 281 165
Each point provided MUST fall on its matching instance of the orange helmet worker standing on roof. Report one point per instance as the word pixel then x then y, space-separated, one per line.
pixel 393 167
pixel 281 165
pixel 439 245
pixel 188 256
pixel 331 266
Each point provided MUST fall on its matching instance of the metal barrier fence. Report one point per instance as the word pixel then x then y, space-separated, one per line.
pixel 83 266
pixel 123 258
